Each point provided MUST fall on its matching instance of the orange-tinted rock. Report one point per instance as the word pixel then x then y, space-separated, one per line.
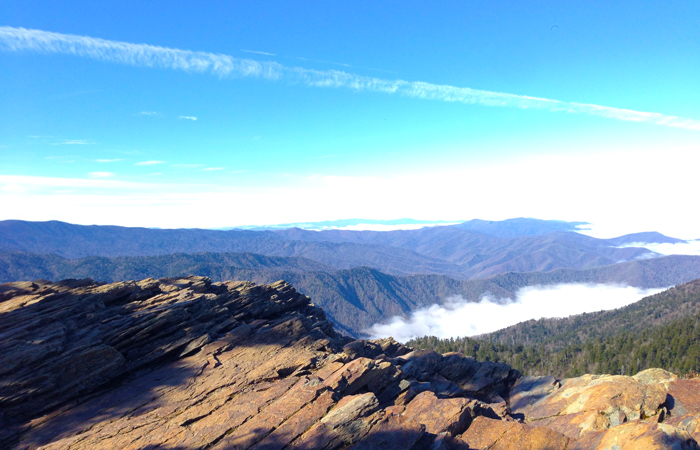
pixel 262 424
pixel 688 422
pixel 220 375
pixel 637 436
pixel 499 435
pixel 349 377
pixel 484 432
pixel 452 415
pixel 349 421
pixel 297 424
pixel 588 403
pixel 392 433
pixel 188 364
pixel 684 396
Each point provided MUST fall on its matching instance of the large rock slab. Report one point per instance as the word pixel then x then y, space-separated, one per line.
pixel 493 434
pixel 451 415
pixel 577 406
pixel 189 364
pixel 637 436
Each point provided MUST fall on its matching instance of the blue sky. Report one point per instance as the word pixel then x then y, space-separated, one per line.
pixel 98 136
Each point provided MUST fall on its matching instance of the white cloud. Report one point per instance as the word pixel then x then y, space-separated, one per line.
pixel 212 169
pixel 187 117
pixel 74 142
pixel 108 160
pixel 456 317
pixel 539 187
pixel 149 163
pixel 681 248
pixel 259 53
pixel 384 227
pixel 100 174
pixel 343 64
pixel 43 184
pixel 143 55
pixel 148 113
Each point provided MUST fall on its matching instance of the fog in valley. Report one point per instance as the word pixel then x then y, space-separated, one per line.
pixel 457 317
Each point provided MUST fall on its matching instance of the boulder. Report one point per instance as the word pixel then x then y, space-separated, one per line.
pixel 451 416
pixel 580 405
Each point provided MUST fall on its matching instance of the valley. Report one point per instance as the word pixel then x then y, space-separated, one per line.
pixel 358 277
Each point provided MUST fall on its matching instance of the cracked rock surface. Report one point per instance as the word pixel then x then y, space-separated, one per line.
pixel 189 364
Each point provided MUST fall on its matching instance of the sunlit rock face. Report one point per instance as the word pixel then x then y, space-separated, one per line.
pixel 190 364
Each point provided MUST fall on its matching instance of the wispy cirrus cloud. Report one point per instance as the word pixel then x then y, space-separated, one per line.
pixel 108 160
pixel 147 113
pixel 187 117
pixel 73 142
pixel 144 55
pixel 213 169
pixel 343 64
pixel 149 163
pixel 258 53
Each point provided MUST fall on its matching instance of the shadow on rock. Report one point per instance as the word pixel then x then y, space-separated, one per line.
pixel 77 352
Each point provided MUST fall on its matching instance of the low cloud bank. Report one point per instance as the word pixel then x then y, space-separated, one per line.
pixel 680 248
pixel 457 317
pixel 384 227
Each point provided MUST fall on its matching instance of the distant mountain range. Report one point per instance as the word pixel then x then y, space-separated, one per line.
pixel 354 299
pixel 503 228
pixel 358 277
pixel 457 251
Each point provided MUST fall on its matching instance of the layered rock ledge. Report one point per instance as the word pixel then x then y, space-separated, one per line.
pixel 190 364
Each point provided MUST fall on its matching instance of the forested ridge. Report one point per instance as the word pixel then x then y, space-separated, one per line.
pixel 354 299
pixel 454 251
pixel 658 309
pixel 655 332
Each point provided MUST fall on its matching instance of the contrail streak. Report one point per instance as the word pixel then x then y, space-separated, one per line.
pixel 143 55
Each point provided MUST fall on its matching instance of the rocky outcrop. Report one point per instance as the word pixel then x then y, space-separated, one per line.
pixel 653 409
pixel 186 363
pixel 190 364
